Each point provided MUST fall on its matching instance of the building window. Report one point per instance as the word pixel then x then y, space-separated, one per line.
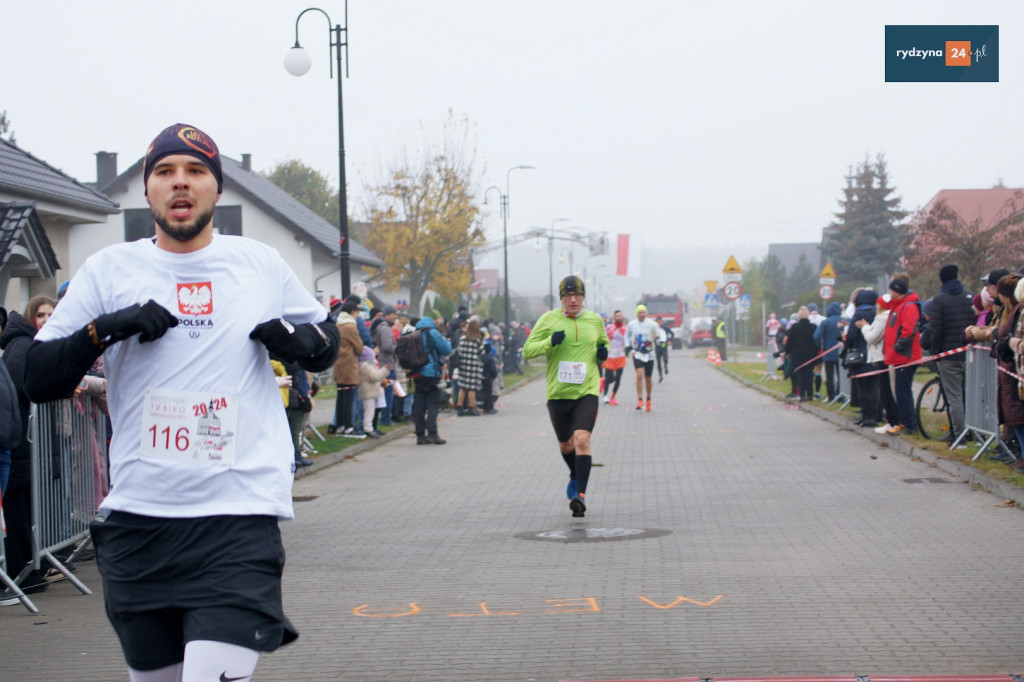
pixel 138 222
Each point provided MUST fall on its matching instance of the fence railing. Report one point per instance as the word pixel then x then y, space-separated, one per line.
pixel 69 470
pixel 981 395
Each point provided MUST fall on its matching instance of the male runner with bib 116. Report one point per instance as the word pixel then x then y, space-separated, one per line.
pixel 201 458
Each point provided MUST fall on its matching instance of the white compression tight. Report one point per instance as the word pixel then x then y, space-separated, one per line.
pixel 205 661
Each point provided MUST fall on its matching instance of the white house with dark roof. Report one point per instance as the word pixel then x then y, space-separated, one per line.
pixel 40 207
pixel 250 205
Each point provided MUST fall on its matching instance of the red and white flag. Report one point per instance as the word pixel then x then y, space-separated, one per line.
pixel 628 256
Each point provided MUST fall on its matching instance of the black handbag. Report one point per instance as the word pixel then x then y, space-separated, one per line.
pixel 855 358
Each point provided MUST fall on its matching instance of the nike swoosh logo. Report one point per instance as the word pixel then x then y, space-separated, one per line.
pixel 224 677
pixel 260 636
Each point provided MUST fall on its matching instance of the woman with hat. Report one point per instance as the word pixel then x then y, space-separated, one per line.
pixel 902 347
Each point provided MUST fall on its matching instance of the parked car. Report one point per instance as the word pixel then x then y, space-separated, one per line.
pixel 698 333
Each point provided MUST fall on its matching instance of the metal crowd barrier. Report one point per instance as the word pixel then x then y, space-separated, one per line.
pixel 69 458
pixel 844 388
pixel 981 396
pixel 771 366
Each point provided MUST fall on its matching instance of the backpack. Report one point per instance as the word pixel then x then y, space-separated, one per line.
pixel 411 353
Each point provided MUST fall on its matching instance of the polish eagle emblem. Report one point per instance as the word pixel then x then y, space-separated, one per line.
pixel 195 298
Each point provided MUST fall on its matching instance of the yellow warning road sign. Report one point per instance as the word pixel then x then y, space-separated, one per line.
pixel 732 267
pixel 711 285
pixel 827 271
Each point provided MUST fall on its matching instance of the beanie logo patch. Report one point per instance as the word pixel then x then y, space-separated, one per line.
pixel 197 140
pixel 195 298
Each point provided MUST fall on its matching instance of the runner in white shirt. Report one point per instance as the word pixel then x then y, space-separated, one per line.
pixel 641 335
pixel 201 458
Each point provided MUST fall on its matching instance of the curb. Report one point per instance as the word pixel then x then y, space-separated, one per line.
pixel 332 458
pixel 967 474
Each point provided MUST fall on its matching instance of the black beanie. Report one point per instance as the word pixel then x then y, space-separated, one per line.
pixel 184 139
pixel 949 272
pixel 571 285
pixel 900 286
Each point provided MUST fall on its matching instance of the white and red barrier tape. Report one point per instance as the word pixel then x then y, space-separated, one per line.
pixel 819 355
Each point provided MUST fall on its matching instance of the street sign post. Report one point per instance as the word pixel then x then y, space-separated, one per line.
pixel 732 272
pixel 744 303
pixel 732 290
pixel 827 280
pixel 710 301
pixel 827 275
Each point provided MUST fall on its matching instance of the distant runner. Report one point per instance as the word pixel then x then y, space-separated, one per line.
pixel 641 335
pixel 616 361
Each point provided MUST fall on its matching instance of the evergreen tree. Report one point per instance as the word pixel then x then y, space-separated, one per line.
pixel 774 272
pixel 867 240
pixel 803 279
pixel 5 126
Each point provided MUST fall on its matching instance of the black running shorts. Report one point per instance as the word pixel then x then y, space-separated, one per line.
pixel 569 416
pixel 647 367
pixel 167 582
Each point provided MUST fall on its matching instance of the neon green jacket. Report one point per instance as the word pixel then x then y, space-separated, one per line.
pixel 582 336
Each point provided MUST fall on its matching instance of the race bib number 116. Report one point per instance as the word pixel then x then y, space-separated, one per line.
pixel 190 426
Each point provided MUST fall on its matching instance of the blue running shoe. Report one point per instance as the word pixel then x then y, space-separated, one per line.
pixel 577 506
pixel 572 490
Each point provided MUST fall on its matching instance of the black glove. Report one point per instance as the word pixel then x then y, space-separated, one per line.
pixel 776 354
pixel 557 338
pixel 602 352
pixel 1004 351
pixel 149 320
pixel 288 342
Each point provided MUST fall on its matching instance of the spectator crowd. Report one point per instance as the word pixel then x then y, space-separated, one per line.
pixel 879 341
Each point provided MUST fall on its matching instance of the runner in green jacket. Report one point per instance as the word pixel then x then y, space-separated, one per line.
pixel 574 342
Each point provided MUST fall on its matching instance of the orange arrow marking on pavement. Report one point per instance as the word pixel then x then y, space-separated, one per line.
pixel 361 611
pixel 679 601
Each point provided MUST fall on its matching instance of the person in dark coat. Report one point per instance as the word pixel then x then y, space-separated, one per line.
pixel 950 313
pixel 486 394
pixel 827 335
pixel 10 416
pixel 801 348
pixel 857 346
pixel 15 341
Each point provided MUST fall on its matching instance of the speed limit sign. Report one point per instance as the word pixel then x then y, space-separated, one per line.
pixel 732 290
pixel 825 292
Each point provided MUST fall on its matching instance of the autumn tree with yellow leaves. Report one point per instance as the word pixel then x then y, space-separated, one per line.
pixel 422 221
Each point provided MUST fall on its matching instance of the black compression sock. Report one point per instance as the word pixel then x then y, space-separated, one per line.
pixel 582 472
pixel 570 461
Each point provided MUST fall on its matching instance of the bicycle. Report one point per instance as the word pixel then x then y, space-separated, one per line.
pixel 933 411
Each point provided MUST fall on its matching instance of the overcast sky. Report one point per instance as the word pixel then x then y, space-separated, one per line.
pixel 721 125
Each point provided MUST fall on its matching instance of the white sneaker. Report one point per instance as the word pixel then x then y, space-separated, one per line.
pixel 606 399
pixel 883 429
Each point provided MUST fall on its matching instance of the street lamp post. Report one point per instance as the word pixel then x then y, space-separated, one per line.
pixel 551 262
pixel 297 63
pixel 504 236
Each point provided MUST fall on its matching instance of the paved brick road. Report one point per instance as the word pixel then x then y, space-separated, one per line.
pixel 791 551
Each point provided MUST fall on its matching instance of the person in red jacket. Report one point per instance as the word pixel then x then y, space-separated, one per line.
pixel 902 345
